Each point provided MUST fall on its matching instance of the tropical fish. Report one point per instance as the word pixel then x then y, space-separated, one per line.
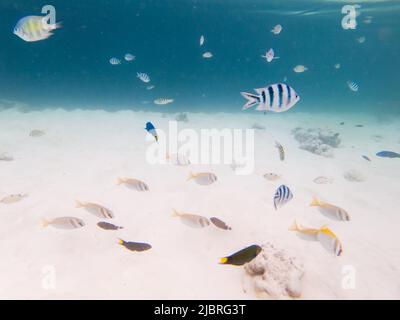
pixel 300 69
pixel 342 123
pixel 163 101
pixel 36 133
pixel 13 198
pixel 220 224
pixel 243 256
pixel 337 66
pixel 95 209
pixel 207 55
pixel 277 29
pixel 66 223
pixel 275 98
pixel 191 220
pixel 330 210
pixel 134 246
pixel 150 87
pixel 281 150
pixel 144 77
pixel 129 57
pixel 388 154
pixel 271 176
pixel 359 126
pixel 366 158
pixel 178 159
pixel 108 226
pixel 361 39
pixel 270 55
pixel 353 86
pixel 35 28
pixel 282 196
pixel 324 235
pixel 152 130
pixel 203 178
pixel 202 39
pixel 323 180
pixel 133 184
pixel 115 61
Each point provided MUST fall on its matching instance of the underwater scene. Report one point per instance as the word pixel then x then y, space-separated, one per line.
pixel 200 149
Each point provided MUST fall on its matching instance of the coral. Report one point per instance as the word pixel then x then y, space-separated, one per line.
pixel 182 117
pixel 354 176
pixel 275 273
pixel 317 141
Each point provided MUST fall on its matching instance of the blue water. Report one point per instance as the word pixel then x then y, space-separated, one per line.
pixel 71 69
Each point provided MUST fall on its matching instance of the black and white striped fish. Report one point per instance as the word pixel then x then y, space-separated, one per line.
pixel 144 77
pixel 353 86
pixel 281 151
pixel 282 196
pixel 277 97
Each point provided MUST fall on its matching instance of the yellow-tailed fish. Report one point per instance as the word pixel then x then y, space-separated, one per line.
pixel 243 256
pixel 133 184
pixel 330 210
pixel 191 220
pixel 203 178
pixel 96 209
pixel 134 246
pixel 108 226
pixel 66 223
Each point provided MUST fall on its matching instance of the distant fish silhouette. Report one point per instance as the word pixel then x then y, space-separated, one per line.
pixel 388 154
pixel 366 158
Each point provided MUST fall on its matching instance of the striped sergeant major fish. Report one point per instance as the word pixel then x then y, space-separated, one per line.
pixel 35 28
pixel 282 196
pixel 278 97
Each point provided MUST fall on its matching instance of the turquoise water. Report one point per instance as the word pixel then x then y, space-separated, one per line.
pixel 72 70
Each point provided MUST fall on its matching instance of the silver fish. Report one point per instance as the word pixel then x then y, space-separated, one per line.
pixel 281 151
pixel 96 209
pixel 203 178
pixel 13 198
pixel 192 220
pixel 133 184
pixel 66 223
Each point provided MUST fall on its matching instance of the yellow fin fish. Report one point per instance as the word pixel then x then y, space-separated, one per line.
pixel 203 178
pixel 191 220
pixel 330 210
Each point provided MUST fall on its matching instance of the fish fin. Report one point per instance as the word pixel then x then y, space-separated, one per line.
pixel 120 181
pixel 121 242
pixel 252 100
pixel 259 90
pixel 315 202
pixel 294 226
pixel 59 25
pixel 175 214
pixel 45 223
pixel 223 261
pixel 276 58
pixel 78 204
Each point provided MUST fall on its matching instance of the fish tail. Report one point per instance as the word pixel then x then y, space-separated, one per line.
pixel 45 223
pixel 78 204
pixel 58 25
pixel 191 176
pixel 252 100
pixel 223 261
pixel 120 181
pixel 121 242
pixel 294 226
pixel 175 213
pixel 315 202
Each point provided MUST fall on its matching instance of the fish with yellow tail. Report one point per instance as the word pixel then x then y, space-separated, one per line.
pixel 134 246
pixel 324 236
pixel 203 178
pixel 95 209
pixel 134 184
pixel 243 256
pixel 191 220
pixel 330 210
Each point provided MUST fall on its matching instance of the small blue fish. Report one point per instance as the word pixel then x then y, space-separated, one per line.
pixel 152 130
pixel 366 158
pixel 388 154
pixel 282 196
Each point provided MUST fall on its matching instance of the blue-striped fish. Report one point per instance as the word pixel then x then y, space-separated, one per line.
pixel 353 86
pixel 277 97
pixel 35 28
pixel 282 196
pixel 144 77
pixel 281 151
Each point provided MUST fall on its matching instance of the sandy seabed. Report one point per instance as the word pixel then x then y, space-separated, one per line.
pixel 84 152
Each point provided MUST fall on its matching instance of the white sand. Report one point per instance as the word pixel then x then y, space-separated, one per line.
pixel 84 152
